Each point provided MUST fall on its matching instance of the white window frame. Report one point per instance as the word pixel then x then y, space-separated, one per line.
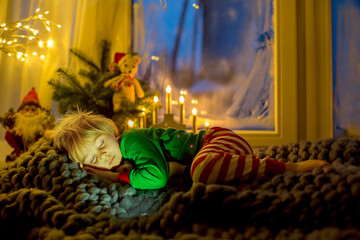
pixel 303 74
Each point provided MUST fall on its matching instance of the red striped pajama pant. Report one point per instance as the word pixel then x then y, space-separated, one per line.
pixel 225 157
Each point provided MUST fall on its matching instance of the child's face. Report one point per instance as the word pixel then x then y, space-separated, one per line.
pixel 101 152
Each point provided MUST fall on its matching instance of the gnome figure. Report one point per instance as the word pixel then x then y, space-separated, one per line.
pixel 25 126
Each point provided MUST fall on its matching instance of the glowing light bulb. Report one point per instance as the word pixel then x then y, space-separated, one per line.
pixel 47 22
pixel 47 12
pixel 18 25
pixel 27 27
pixel 181 99
pixel 155 58
pixel 41 44
pixel 183 92
pixel 9 42
pixel 42 56
pixel 59 26
pixel 26 55
pixel 5 29
pixel 48 28
pixel 31 38
pixel 50 43
pixel 22 59
pixel 9 54
pixel 34 53
pixel 15 40
pixel 40 15
pixel 156 99
pixel 37 10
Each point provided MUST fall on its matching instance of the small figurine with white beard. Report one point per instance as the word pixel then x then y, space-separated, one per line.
pixel 27 125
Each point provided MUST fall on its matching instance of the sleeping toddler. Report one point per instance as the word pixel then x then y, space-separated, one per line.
pixel 215 156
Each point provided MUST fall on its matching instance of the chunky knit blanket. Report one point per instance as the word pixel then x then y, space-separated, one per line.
pixel 44 195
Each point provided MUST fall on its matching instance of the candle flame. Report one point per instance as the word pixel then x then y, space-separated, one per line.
pixel 168 89
pixel 181 99
pixel 207 123
pixel 156 99
pixel 194 111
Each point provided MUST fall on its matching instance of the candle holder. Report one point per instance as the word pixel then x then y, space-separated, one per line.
pixel 169 122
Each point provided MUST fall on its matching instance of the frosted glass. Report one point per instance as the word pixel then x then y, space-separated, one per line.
pixel 224 60
pixel 346 71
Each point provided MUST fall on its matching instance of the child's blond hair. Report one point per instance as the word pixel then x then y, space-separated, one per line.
pixel 77 129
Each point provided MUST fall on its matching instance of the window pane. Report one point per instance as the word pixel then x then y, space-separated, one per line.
pixel 221 53
pixel 346 62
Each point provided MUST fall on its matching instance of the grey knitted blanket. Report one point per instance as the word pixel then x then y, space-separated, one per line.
pixel 44 195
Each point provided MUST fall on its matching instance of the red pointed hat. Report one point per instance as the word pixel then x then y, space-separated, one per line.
pixel 30 99
pixel 118 56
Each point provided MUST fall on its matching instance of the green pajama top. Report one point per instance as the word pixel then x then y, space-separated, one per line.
pixel 151 148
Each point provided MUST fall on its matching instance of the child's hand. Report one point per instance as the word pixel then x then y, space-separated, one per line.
pixel 112 176
pixel 306 166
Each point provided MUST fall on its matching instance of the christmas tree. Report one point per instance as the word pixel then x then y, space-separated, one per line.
pixel 86 91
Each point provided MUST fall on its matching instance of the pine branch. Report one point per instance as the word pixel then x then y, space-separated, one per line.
pixel 74 81
pixel 105 47
pixel 92 76
pixel 84 59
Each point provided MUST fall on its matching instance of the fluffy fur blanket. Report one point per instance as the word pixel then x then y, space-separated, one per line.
pixel 44 195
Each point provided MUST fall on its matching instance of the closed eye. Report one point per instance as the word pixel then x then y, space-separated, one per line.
pixel 93 160
pixel 102 145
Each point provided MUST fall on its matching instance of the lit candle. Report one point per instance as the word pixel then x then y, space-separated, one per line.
pixel 143 114
pixel 206 125
pixel 168 99
pixel 194 127
pixel 182 109
pixel 155 110
pixel 130 124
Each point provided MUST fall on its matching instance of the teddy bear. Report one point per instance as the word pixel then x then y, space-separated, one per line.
pixel 125 85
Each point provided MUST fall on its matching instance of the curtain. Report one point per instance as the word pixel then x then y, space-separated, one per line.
pixel 84 24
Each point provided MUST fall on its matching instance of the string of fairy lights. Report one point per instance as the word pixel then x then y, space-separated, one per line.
pixel 24 38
